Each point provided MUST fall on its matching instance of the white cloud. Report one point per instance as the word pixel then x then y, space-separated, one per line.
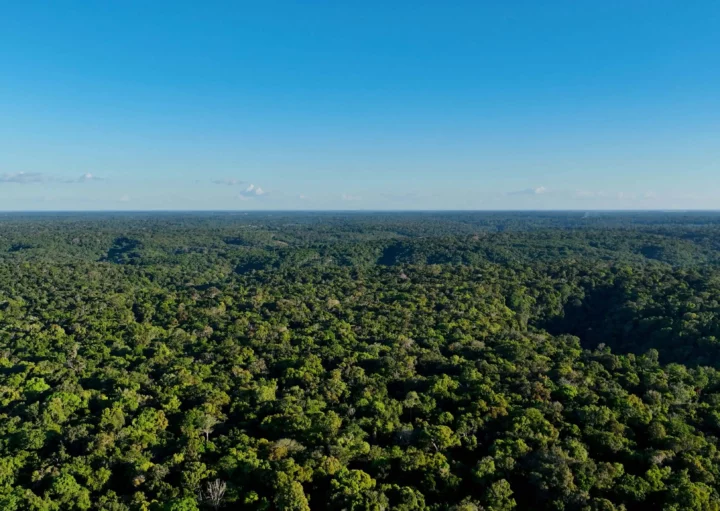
pixel 530 191
pixel 22 177
pixel 626 196
pixel 587 194
pixel 251 191
pixel 228 182
pixel 85 178
pixel 37 177
pixel 125 198
pixel 302 197
pixel 346 196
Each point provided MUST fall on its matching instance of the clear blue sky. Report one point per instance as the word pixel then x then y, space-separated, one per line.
pixel 359 105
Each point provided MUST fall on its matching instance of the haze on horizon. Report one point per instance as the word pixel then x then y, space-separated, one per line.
pixel 365 106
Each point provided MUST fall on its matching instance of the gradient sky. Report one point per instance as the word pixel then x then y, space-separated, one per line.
pixel 359 105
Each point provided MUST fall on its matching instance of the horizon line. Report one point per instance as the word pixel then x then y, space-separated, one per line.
pixel 659 210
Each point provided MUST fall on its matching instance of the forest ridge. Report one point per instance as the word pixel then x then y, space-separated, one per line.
pixel 360 361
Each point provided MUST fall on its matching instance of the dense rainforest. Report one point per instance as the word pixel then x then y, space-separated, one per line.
pixel 364 361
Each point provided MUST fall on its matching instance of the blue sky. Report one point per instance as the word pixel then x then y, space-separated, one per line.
pixel 359 105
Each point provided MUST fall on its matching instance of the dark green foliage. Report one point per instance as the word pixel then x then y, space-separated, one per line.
pixel 459 361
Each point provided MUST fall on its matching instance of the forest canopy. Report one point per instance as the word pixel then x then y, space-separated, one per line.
pixel 364 361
